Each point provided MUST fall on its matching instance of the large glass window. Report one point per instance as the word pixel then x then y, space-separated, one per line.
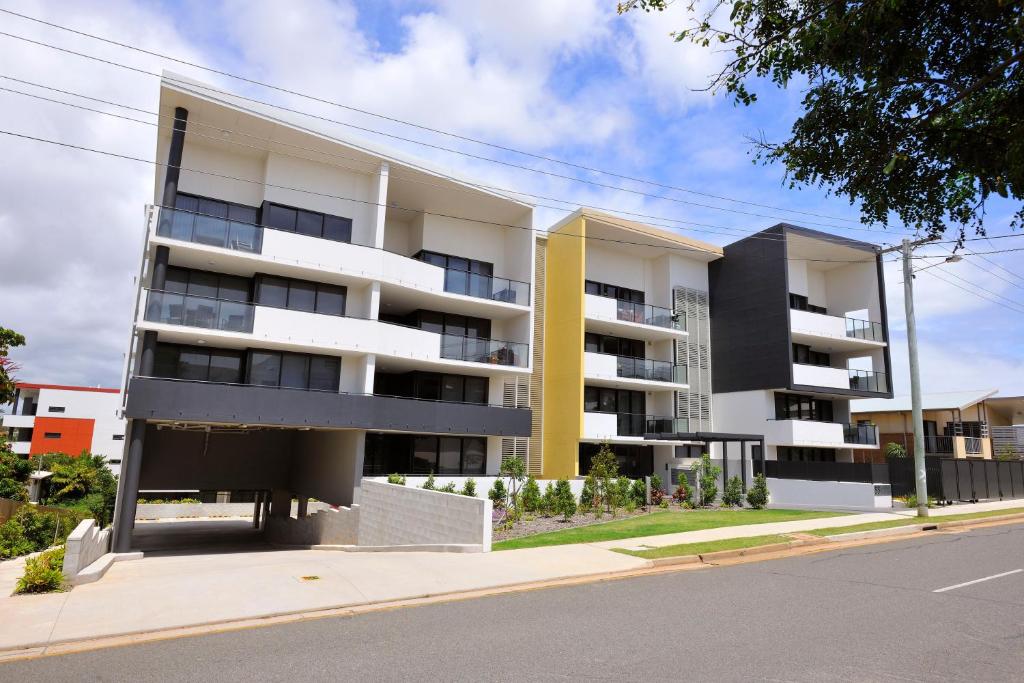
pixel 614 291
pixel 420 455
pixel 197 363
pixel 605 400
pixel 265 368
pixel 304 222
pixel 463 275
pixel 206 284
pixel 804 355
pixel 324 373
pixel 432 386
pixel 618 346
pixel 424 455
pixel 450 455
pixel 300 295
pixel 800 407
pixel 294 370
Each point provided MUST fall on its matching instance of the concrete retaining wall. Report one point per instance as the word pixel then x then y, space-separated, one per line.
pixel 326 527
pixel 187 510
pixel 86 544
pixel 390 514
pixel 483 484
pixel 844 494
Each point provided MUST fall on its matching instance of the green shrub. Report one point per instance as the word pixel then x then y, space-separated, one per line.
pixel 630 505
pixel 14 473
pixel 663 504
pixel 531 495
pixel 757 495
pixel 566 501
pixel 429 483
pixel 604 468
pixel 657 492
pixel 622 492
pixel 469 488
pixel 587 493
pixel 910 500
pixel 895 450
pixel 448 488
pixel 732 496
pixel 638 494
pixel 12 540
pixel 43 573
pixel 549 502
pixel 498 493
pixel 707 479
pixel 683 493
pixel 396 479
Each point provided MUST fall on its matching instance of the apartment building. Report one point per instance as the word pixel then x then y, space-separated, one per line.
pixel 799 324
pixel 52 418
pixel 312 310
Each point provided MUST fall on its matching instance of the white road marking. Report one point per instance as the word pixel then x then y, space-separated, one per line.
pixel 971 583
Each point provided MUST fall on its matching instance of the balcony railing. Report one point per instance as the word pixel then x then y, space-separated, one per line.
pixel 972 445
pixel 171 308
pixel 860 434
pixel 938 445
pixel 865 329
pixel 630 424
pixel 868 380
pixel 651 370
pixel 870 473
pixel 486 287
pixel 646 314
pixel 491 351
pixel 214 231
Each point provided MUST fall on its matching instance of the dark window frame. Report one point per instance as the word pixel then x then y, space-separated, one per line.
pixel 803 407
pixel 319 288
pixel 401 449
pixel 52 435
pixel 309 359
pixel 327 222
pixel 617 292
pixel 191 272
pixel 56 409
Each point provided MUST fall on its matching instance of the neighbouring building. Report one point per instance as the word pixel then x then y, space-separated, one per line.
pixel 960 424
pixel 52 418
pixel 312 310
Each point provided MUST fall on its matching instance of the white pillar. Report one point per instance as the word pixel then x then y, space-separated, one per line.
pixel 381 208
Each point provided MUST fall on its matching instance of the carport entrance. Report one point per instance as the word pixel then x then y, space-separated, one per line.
pixel 197 537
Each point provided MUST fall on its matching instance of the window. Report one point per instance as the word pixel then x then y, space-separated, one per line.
pixel 311 223
pixel 605 400
pixel 635 296
pixel 55 409
pixel 207 284
pixel 804 355
pixel 462 275
pixel 300 295
pixel 799 302
pixel 118 437
pixel 175 361
pixel 432 386
pixel 214 222
pixel 801 454
pixel 634 461
pixel 294 370
pixel 422 454
pixel 447 323
pixel 617 346
pixel 51 435
pixel 799 407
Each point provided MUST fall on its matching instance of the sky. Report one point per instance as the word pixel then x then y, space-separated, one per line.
pixel 564 79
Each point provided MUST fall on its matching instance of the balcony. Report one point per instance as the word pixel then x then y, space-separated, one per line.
pixel 865 435
pixel 868 380
pixel 242 325
pixel 299 255
pixel 843 334
pixel 607 368
pixel 628 319
pixel 813 434
pixel 600 426
pixel 823 376
pixel 190 401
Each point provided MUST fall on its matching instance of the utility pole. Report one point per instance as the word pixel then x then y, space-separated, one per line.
pixel 917 417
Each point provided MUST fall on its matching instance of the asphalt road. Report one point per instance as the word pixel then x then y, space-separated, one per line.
pixel 864 614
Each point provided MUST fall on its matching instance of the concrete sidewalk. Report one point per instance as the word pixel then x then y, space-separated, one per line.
pixel 202 586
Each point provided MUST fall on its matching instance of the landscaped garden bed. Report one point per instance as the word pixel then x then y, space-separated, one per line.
pixel 532 525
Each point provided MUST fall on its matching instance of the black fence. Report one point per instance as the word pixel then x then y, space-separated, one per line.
pixel 958 479
pixel 863 472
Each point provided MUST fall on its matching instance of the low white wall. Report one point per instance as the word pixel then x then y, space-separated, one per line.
pixel 391 515
pixel 327 527
pixel 483 484
pixel 187 510
pixel 826 494
pixel 86 544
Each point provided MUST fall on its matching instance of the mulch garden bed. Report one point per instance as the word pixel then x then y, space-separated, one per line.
pixel 540 525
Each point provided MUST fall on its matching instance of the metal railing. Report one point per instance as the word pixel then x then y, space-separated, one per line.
pixel 491 351
pixel 652 370
pixel 635 424
pixel 938 444
pixel 972 445
pixel 646 314
pixel 171 308
pixel 861 434
pixel 486 287
pixel 865 329
pixel 868 380
pixel 199 228
pixel 868 473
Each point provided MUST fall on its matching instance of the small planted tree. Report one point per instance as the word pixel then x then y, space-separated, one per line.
pixel 469 488
pixel 531 495
pixel 707 479
pixel 732 496
pixel 396 479
pixel 657 493
pixel 587 493
pixel 566 501
pixel 895 450
pixel 638 493
pixel 498 494
pixel 757 495
pixel 622 498
pixel 683 494
pixel 549 502
pixel 604 467
pixel 429 484
pixel 513 469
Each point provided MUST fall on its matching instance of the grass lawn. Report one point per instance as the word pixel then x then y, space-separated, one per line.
pixel 871 526
pixel 657 523
pixel 705 547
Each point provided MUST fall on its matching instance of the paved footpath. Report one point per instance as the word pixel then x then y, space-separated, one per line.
pixel 172 590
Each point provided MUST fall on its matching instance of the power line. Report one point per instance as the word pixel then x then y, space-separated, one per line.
pixel 972 292
pixel 561 176
pixel 438 131
pixel 733 232
pixel 394 206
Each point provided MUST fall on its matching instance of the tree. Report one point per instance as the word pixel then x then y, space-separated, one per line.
pixel 732 496
pixel 707 479
pixel 565 501
pixel 14 473
pixel 911 107
pixel 8 340
pixel 531 495
pixel 604 467
pixel 895 450
pixel 757 495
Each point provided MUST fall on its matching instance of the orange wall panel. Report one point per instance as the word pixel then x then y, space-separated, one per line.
pixel 75 435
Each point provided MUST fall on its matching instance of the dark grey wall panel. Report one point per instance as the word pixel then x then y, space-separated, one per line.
pixel 165 399
pixel 750 347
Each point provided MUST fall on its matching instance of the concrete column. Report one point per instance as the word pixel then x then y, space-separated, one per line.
pixel 303 507
pixel 380 210
pixel 128 493
pixel 266 507
pixel 147 357
pixel 173 170
pixel 256 510
pixel 280 503
pixel 160 259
